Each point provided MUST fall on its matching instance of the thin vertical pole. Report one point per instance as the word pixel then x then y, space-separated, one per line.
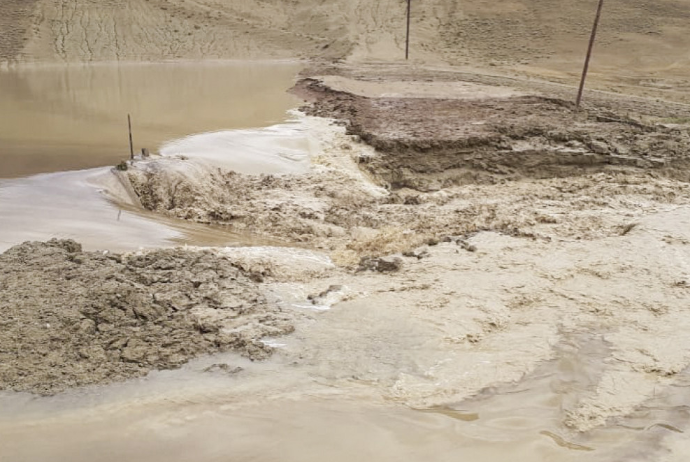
pixel 131 145
pixel 589 53
pixel 407 37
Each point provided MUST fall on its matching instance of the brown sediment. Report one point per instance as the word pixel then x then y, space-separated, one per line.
pixel 74 318
pixel 330 209
pixel 430 143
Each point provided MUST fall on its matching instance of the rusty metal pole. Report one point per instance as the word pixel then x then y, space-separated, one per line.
pixel 589 53
pixel 407 37
pixel 131 145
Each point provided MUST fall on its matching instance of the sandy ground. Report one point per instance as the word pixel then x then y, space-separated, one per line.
pixel 641 48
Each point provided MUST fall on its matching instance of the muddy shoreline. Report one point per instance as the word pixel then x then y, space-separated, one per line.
pixel 395 172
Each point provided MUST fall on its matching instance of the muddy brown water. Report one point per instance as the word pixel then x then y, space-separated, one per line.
pixel 62 128
pixel 251 415
pixel 56 118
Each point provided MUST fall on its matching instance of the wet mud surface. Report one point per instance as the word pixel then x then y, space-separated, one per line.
pixel 376 188
pixel 74 318
pixel 505 222
pixel 431 143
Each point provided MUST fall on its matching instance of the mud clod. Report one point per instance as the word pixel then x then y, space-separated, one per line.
pixel 418 253
pixel 381 264
pixel 321 297
pixel 222 367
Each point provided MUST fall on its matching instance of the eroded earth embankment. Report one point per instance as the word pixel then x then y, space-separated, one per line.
pixel 418 169
pixel 431 143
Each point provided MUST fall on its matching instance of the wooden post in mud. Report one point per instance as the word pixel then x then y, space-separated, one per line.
pixel 131 145
pixel 589 54
pixel 407 36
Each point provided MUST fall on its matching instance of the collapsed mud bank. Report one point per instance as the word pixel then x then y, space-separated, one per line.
pixel 72 318
pixel 357 201
pixel 432 143
pixel 395 172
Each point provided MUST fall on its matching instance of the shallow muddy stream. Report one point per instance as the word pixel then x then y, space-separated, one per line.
pixel 280 411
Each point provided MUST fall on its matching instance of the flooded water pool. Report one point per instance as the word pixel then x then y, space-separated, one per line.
pixel 56 118
pixel 63 128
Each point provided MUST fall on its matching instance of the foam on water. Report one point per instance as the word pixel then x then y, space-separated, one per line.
pixel 93 207
pixel 278 149
pixel 71 205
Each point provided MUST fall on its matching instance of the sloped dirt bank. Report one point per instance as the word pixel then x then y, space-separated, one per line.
pixel 432 143
pixel 73 318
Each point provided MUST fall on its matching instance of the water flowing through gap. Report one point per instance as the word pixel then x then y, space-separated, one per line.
pixel 62 128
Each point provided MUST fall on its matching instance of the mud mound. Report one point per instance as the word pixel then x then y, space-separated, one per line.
pixel 74 318
pixel 427 144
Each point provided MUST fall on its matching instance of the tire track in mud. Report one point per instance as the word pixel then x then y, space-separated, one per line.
pixel 161 29
pixel 16 21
